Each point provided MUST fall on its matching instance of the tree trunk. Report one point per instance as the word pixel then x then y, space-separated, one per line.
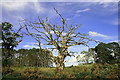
pixel 60 63
pixel 60 66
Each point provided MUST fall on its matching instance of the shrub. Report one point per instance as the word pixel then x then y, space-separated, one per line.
pixel 33 73
pixel 62 74
pixel 71 75
pixel 13 75
pixel 112 75
pixel 7 70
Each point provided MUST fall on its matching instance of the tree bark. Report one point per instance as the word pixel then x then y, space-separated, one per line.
pixel 60 66
pixel 60 63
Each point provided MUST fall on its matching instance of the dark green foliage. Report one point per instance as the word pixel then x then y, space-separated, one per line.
pixel 9 37
pixel 7 62
pixel 9 41
pixel 7 70
pixel 32 57
pixel 107 53
pixel 9 73
pixel 13 76
pixel 115 48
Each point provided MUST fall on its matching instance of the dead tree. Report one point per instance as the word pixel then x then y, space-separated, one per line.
pixel 62 37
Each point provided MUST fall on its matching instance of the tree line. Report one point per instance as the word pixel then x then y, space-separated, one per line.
pixel 20 57
pixel 29 58
pixel 102 53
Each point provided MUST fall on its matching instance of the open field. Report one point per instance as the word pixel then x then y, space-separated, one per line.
pixel 84 71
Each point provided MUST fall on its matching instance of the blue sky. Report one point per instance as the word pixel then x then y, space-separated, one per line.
pixel 99 20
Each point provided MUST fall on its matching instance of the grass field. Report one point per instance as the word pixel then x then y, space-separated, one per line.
pixel 83 71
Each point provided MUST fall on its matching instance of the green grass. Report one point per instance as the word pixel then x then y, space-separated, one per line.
pixel 82 71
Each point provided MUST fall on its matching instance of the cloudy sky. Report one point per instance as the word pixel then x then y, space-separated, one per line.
pixel 98 19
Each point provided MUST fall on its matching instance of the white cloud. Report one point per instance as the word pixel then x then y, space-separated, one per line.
pixel 30 46
pixel 52 32
pixel 1 41
pixel 82 57
pixel 14 5
pixel 38 7
pixel 71 63
pixel 96 34
pixel 22 5
pixel 84 10
pixel 72 59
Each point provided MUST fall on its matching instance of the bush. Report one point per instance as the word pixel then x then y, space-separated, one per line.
pixel 10 73
pixel 33 73
pixel 13 75
pixel 7 70
pixel 65 74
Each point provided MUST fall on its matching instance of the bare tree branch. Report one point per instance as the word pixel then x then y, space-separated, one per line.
pixel 62 37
